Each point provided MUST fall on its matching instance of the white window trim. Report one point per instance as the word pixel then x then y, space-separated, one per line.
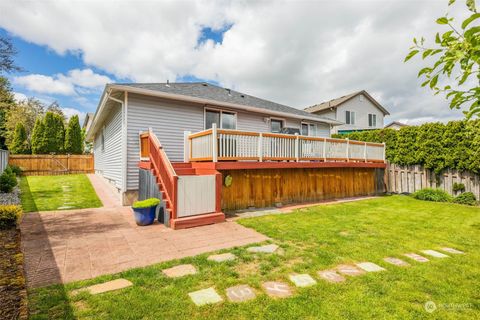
pixel 350 116
pixel 374 123
pixel 205 109
pixel 308 128
pixel 277 119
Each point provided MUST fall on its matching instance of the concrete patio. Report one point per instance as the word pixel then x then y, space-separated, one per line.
pixel 65 246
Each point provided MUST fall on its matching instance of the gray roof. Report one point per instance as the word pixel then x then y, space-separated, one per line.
pixel 212 92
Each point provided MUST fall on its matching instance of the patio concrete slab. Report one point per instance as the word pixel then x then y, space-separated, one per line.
pixel 240 293
pixel 416 257
pixel 277 289
pixel 396 262
pixel 66 246
pixel 435 254
pixel 269 248
pixel 350 270
pixel 180 271
pixel 222 257
pixel 331 276
pixel 302 280
pixel 452 250
pixel 205 296
pixel 107 286
pixel 369 267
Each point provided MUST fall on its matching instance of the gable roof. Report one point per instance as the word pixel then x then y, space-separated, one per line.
pixel 338 101
pixel 400 124
pixel 212 92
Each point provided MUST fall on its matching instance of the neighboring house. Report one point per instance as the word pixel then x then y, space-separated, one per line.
pixel 395 125
pixel 357 111
pixel 87 122
pixel 206 149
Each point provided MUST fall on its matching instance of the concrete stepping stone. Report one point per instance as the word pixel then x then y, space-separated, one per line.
pixel 370 267
pixel 222 257
pixel 451 250
pixel 180 271
pixel 302 280
pixel 240 293
pixel 205 296
pixel 435 254
pixel 396 261
pixel 416 257
pixel 277 289
pixel 331 276
pixel 350 270
pixel 269 248
pixel 105 287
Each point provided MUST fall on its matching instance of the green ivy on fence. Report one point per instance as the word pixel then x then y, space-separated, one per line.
pixel 436 146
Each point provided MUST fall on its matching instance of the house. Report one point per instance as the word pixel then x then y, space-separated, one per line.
pixel 357 111
pixel 208 149
pixel 395 125
pixel 87 122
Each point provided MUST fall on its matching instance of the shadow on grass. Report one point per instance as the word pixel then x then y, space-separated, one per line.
pixel 26 196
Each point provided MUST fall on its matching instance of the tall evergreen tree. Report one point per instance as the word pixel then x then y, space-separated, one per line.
pixel 73 136
pixel 38 138
pixel 19 143
pixel 53 133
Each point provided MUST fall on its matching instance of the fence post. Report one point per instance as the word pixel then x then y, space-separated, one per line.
pixel 365 152
pixel 324 149
pixel 260 147
pixel 297 147
pixel 214 143
pixel 348 151
pixel 186 146
pixel 68 162
pixel 383 151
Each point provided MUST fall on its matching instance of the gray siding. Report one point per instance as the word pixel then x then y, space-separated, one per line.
pixel 108 162
pixel 169 120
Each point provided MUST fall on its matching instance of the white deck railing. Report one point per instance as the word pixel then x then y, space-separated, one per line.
pixel 230 145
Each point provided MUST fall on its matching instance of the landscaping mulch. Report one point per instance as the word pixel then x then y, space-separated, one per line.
pixel 13 293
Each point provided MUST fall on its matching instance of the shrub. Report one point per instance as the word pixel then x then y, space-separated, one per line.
pixel 16 169
pixel 9 216
pixel 458 187
pixel 8 180
pixel 145 203
pixel 429 194
pixel 467 198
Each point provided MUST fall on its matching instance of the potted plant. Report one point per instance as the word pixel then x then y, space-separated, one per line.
pixel 144 211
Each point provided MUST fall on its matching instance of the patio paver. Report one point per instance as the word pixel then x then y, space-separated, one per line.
pixel 302 280
pixel 435 254
pixel 66 246
pixel 180 271
pixel 205 296
pixel 277 289
pixel 222 257
pixel 452 250
pixel 370 267
pixel 396 262
pixel 416 257
pixel 107 286
pixel 269 248
pixel 349 270
pixel 331 276
pixel 240 293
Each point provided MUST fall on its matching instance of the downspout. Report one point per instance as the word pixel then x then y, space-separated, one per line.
pixel 124 138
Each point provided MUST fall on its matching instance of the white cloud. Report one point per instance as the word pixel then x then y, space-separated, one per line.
pixel 294 52
pixel 19 97
pixel 74 82
pixel 69 112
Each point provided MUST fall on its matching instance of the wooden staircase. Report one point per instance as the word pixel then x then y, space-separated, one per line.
pixel 167 175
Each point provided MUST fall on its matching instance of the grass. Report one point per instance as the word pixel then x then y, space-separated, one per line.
pixel 311 240
pixel 44 193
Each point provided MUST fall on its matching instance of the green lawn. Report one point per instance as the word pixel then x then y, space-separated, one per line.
pixel 311 239
pixel 62 192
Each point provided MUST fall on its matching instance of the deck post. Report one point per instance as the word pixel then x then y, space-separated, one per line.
pixel 383 151
pixel 365 152
pixel 186 146
pixel 348 151
pixel 260 147
pixel 297 149
pixel 324 149
pixel 214 143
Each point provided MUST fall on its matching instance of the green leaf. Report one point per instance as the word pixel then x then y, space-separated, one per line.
pixel 442 20
pixel 471 32
pixel 437 38
pixel 471 5
pixel 410 55
pixel 425 83
pixel 426 53
pixel 434 81
pixel 467 21
pixel 424 70
pixel 451 2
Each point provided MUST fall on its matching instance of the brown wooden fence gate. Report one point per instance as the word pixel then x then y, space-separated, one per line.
pixel 38 165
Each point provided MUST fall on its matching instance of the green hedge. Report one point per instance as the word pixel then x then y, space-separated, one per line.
pixel 9 216
pixel 436 146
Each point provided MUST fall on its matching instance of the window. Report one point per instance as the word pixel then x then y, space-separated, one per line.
pixel 372 120
pixel 276 125
pixel 309 129
pixel 223 119
pixel 360 97
pixel 349 117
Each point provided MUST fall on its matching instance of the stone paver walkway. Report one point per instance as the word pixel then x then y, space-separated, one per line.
pixel 65 246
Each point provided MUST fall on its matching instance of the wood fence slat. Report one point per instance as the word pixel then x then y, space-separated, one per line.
pixel 45 164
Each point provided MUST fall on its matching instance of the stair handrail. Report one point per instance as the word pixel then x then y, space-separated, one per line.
pixel 164 170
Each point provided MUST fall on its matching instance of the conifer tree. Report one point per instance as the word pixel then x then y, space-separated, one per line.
pixel 73 136
pixel 38 140
pixel 19 143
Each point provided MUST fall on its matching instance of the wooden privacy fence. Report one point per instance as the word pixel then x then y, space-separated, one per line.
pixel 409 179
pixel 38 165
